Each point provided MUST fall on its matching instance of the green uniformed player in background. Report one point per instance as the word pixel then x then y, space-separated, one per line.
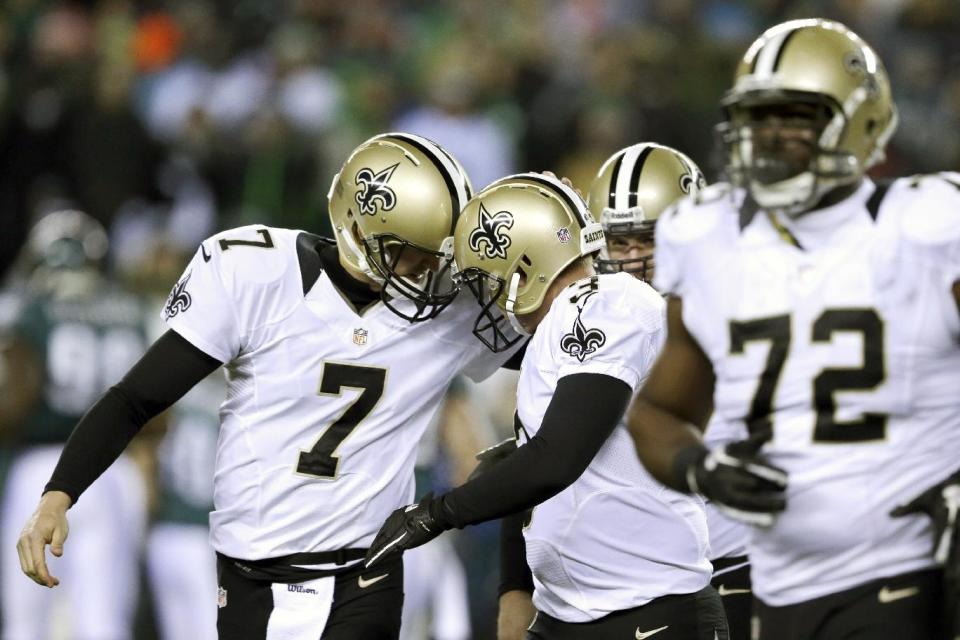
pixel 75 334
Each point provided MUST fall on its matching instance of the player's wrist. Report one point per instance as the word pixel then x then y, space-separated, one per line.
pixel 687 464
pixel 55 500
pixel 442 512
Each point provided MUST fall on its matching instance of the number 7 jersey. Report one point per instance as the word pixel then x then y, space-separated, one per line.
pixel 844 353
pixel 325 404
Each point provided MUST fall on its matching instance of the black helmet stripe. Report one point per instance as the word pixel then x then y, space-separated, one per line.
pixel 612 200
pixel 564 192
pixel 466 182
pixel 635 175
pixel 447 169
pixel 783 47
pixel 769 57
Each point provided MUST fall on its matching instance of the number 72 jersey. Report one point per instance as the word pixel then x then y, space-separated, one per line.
pixel 845 355
pixel 324 405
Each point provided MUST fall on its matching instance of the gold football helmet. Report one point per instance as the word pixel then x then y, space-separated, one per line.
pixel 512 241
pixel 395 201
pixel 810 110
pixel 633 187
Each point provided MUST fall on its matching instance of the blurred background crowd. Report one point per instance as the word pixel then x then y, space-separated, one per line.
pixel 168 120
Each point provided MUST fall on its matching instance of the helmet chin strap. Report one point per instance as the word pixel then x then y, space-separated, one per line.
pixel 352 247
pixel 512 303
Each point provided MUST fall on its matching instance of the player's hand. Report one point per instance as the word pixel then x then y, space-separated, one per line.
pixel 515 615
pixel 738 480
pixel 492 455
pixel 47 526
pixel 565 180
pixel 406 528
pixel 942 503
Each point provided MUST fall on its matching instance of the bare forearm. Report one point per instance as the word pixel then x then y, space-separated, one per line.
pixel 659 436
pixel 515 615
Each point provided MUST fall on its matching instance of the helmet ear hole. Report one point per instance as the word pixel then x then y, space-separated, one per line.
pixel 523 273
pixel 525 259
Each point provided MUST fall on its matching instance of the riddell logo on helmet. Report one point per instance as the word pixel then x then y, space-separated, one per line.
pixel 374 193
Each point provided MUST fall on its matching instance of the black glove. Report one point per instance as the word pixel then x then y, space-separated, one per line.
pixel 942 503
pixel 736 479
pixel 492 455
pixel 408 527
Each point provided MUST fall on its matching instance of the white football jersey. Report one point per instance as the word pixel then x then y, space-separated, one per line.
pixel 616 538
pixel 848 351
pixel 324 406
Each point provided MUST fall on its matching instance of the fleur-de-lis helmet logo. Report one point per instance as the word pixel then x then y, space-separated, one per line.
pixel 581 342
pixel 491 233
pixel 179 299
pixel 374 192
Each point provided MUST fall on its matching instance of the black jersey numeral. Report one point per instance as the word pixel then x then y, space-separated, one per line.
pixel 322 460
pixel 266 243
pixel 872 426
pixel 585 288
pixel 776 329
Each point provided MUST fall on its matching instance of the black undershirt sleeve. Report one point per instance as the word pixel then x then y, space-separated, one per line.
pixel 514 573
pixel 582 414
pixel 170 368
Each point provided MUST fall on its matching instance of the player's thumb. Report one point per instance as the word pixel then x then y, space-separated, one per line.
pixel 59 537
pixel 906 509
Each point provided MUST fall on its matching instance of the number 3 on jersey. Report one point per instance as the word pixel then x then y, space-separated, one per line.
pixel 776 330
pixel 322 460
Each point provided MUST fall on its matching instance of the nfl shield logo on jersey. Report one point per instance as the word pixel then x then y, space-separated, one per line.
pixel 360 336
pixel 221 597
pixel 563 235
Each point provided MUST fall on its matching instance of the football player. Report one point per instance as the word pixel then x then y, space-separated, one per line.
pixel 630 192
pixel 181 569
pixel 614 554
pixel 79 332
pixel 820 310
pixel 335 363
